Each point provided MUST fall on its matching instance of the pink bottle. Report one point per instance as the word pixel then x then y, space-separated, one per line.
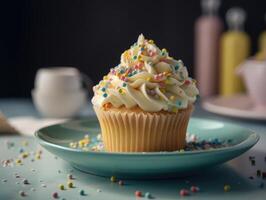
pixel 208 30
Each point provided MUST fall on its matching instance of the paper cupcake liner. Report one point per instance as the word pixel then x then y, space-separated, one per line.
pixel 125 130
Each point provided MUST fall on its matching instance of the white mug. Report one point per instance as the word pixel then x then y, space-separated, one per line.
pixel 60 78
pixel 59 91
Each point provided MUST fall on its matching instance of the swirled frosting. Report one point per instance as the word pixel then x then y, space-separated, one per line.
pixel 146 77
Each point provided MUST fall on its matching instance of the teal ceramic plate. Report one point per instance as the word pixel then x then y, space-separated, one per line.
pixel 56 139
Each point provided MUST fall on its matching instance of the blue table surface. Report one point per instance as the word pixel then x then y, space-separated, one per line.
pixel 45 174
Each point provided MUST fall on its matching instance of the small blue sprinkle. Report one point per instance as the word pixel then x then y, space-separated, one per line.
pixel 147 195
pixel 176 67
pixel 124 84
pixel 105 95
pixel 103 89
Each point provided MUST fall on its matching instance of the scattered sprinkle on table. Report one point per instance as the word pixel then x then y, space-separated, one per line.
pixel 61 186
pixel 138 194
pixel 25 181
pixel 148 195
pixel 183 192
pixel 55 195
pixel 70 176
pixel 70 184
pixel 22 193
pixel 264 175
pixel 113 178
pixel 82 192
pixel 258 173
pixel 227 188
pixel 194 189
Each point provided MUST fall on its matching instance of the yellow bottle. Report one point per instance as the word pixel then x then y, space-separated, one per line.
pixel 262 41
pixel 261 54
pixel 235 48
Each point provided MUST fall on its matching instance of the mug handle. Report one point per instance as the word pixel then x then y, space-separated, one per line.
pixel 87 83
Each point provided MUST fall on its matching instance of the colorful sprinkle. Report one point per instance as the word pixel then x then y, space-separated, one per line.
pixel 70 184
pixel 38 156
pixel 24 155
pixel 61 186
pixel 103 89
pixel 253 162
pixel 113 178
pixel 25 181
pixel 194 189
pixel 55 195
pixel 264 175
pixel 22 193
pixel 121 182
pixel 172 98
pixel 124 85
pixel 70 176
pixel 227 188
pixel 138 194
pixel 183 192
pixel 120 91
pixel 105 95
pixel 82 192
pixel 148 195
pixel 18 161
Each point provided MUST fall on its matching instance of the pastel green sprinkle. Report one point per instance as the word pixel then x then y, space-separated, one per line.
pixel 61 187
pixel 124 84
pixel 135 57
pixel 113 178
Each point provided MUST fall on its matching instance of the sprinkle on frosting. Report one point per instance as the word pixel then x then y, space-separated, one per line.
pixel 149 78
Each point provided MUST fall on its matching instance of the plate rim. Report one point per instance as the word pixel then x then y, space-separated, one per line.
pixel 249 142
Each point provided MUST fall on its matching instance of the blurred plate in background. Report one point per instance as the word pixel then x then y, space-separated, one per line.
pixel 239 106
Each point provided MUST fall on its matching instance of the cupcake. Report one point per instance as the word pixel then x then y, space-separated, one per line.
pixel 144 103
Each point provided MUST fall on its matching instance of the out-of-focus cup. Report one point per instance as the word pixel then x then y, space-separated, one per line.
pixel 59 105
pixel 59 91
pixel 254 73
pixel 58 78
